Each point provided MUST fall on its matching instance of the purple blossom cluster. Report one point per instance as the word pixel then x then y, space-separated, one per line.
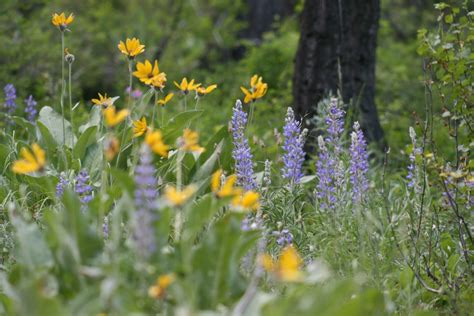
pixel 293 146
pixel 136 93
pixel 325 168
pixel 82 187
pixel 359 164
pixel 251 222
pixel 145 203
pixel 241 151
pixel 335 125
pixel 283 237
pixel 62 184
pixel 10 98
pixel 30 108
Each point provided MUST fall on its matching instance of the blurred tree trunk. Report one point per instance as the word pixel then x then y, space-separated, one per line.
pixel 262 13
pixel 337 52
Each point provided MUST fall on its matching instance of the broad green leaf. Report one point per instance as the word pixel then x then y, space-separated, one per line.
pixel 87 138
pixel 53 121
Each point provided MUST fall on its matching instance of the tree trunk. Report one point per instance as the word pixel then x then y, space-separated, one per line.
pixel 337 52
pixel 262 14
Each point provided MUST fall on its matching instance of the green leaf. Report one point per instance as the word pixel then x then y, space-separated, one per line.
pixel 32 251
pixel 176 124
pixel 206 169
pixel 53 121
pixel 87 138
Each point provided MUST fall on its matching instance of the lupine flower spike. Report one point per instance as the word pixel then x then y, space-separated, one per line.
pixel 293 146
pixel 63 183
pixel 10 97
pixel 30 108
pixel 359 164
pixel 325 165
pixel 82 187
pixel 145 202
pixel 241 151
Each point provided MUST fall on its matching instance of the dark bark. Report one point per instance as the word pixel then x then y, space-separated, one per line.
pixel 261 15
pixel 336 52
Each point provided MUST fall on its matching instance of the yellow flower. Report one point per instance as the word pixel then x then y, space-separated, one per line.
pixel 166 99
pixel 31 161
pixel 189 141
pixel 257 89
pixel 61 21
pixel 288 266
pixel 112 117
pixel 185 87
pixel 155 141
pixel 247 201
pixel 162 283
pixel 227 189
pixel 178 198
pixel 104 100
pixel 150 75
pixel 112 147
pixel 131 47
pixel 139 127
pixel 204 91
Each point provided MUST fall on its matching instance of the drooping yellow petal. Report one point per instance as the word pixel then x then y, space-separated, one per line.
pixel 31 161
pixel 246 201
pixel 216 181
pixel 189 141
pixel 112 117
pixel 154 140
pixel 289 265
pixel 168 97
pixel 179 198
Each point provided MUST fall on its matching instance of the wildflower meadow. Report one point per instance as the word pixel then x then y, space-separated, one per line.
pixel 180 195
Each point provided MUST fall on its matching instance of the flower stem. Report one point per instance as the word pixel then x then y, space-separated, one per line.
pixel 179 174
pixel 130 61
pixel 185 102
pixel 70 105
pixel 252 106
pixel 154 108
pixel 62 88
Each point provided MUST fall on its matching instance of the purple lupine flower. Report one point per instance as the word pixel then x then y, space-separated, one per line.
pixel 63 183
pixel 145 199
pixel 413 171
pixel 359 164
pixel 105 227
pixel 283 237
pixel 82 187
pixel 136 93
pixel 335 125
pixel 293 146
pixel 251 222
pixel 241 152
pixel 10 97
pixel 30 108
pixel 325 168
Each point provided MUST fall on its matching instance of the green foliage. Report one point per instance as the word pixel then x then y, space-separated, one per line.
pixel 401 250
